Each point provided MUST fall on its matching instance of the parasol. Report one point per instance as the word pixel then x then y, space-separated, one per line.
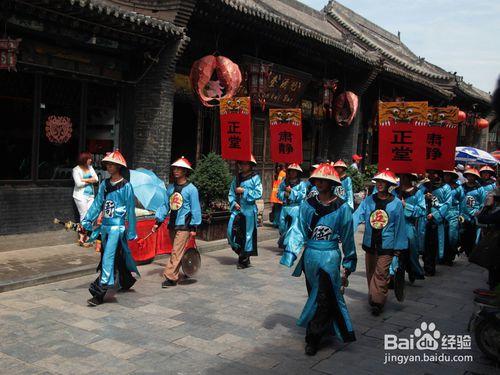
pixel 149 189
pixel 473 155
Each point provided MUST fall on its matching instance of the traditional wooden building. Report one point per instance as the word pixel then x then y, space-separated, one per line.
pixel 90 75
pixel 115 74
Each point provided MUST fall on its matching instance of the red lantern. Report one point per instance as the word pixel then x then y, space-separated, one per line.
pixel 462 116
pixel 346 106
pixel 258 82
pixel 8 53
pixel 482 123
pixel 228 79
pixel 329 89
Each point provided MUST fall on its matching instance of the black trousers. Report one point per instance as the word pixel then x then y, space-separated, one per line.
pixel 327 312
pixel 449 251
pixel 468 237
pixel 431 248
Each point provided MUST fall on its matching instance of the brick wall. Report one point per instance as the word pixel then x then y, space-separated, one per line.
pixel 153 113
pixel 32 209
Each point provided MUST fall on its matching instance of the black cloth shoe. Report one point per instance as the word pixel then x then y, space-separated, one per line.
pixel 311 349
pixel 94 301
pixel 376 309
pixel 168 283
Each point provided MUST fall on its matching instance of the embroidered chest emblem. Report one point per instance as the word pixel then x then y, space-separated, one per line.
pixel 176 201
pixel 109 209
pixel 339 191
pixel 322 233
pixel 312 193
pixel 470 201
pixel 435 201
pixel 379 219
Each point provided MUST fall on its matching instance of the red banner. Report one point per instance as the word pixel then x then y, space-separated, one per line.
pixel 286 135
pixel 402 127
pixel 235 128
pixel 441 138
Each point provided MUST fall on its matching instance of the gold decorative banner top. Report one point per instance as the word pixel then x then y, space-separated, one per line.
pixel 291 116
pixel 443 116
pixel 405 112
pixel 235 105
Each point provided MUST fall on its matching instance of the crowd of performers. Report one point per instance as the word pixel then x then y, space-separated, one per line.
pixel 407 218
pixel 412 224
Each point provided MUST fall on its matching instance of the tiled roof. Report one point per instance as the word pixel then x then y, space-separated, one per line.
pixel 399 59
pixel 110 9
pixel 298 18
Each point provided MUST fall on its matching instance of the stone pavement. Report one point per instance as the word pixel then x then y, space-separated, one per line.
pixel 33 260
pixel 227 321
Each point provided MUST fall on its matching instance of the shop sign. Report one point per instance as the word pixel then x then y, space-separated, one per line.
pixel 402 128
pixel 441 138
pixel 286 135
pixel 235 128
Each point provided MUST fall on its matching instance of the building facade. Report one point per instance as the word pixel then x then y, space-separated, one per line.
pixel 115 74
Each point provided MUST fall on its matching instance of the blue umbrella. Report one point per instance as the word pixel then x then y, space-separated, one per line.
pixel 149 189
pixel 473 155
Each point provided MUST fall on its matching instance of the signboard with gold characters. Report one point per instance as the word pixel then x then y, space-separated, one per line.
pixel 379 219
pixel 176 201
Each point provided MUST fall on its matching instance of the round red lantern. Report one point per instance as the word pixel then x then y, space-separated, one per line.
pixel 214 78
pixel 482 123
pixel 462 116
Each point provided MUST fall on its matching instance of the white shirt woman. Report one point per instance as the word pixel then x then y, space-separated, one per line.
pixel 84 177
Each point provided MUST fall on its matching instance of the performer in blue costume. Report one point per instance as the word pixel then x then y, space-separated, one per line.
pixel 345 191
pixel 184 211
pixel 488 181
pixel 245 189
pixel 325 220
pixel 115 200
pixel 292 192
pixel 311 189
pixel 385 236
pixel 472 201
pixel 414 209
pixel 438 201
pixel 452 235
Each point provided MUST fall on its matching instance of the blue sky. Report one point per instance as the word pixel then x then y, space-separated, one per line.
pixel 458 35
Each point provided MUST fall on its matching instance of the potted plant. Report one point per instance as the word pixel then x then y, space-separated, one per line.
pixel 213 178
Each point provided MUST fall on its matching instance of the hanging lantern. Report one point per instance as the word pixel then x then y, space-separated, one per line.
pixel 258 82
pixel 346 106
pixel 58 129
pixel 214 78
pixel 482 123
pixel 462 116
pixel 329 89
pixel 8 53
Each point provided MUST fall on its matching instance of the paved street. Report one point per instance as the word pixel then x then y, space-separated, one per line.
pixel 227 322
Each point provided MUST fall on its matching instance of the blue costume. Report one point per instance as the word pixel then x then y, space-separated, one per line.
pixel 414 210
pixel 345 191
pixel 116 201
pixel 385 233
pixel 242 226
pixel 183 205
pixel 472 201
pixel 311 189
pixel 321 228
pixel 290 208
pixel 434 241
pixel 488 186
pixel 452 219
